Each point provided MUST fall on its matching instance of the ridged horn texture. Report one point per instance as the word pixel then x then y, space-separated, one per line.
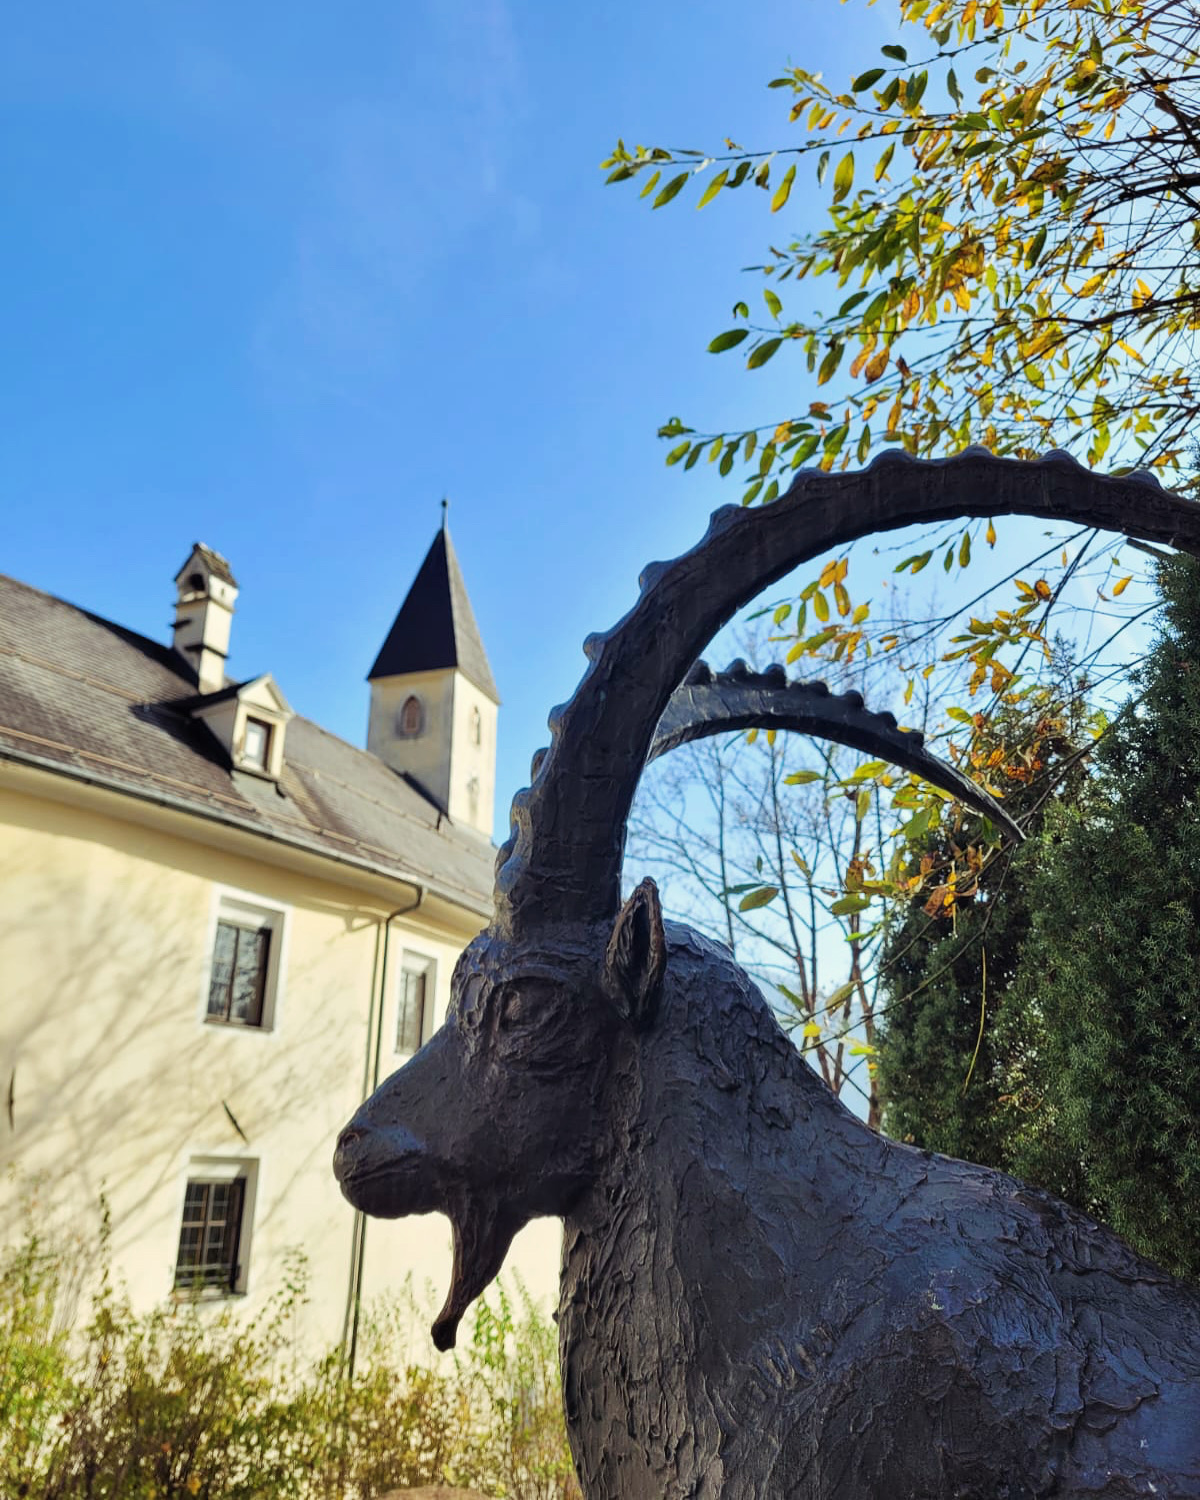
pixel 711 703
pixel 563 860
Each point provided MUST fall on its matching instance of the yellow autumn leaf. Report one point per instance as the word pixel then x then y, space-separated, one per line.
pixel 1121 585
pixel 990 534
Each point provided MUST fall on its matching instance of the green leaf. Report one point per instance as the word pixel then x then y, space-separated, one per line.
pixel 728 340
pixel 1035 249
pixel 761 897
pixel 964 550
pixel 650 184
pixel 843 178
pixel 881 165
pixel 953 89
pixel 801 778
pixel 846 906
pixel 862 804
pixel 784 189
pixel 772 301
pixel 829 364
pixel 867 80
pixel 714 187
pixel 762 353
pixel 677 453
pixel 671 189
pixel 822 167
pixel 898 52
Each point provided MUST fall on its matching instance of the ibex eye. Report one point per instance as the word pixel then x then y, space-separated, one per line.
pixel 513 1008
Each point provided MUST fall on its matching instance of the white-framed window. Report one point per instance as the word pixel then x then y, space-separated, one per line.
pixel 215 1226
pixel 245 962
pixel 414 1001
pixel 256 744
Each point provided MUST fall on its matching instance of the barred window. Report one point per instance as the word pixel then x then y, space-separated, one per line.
pixel 210 1235
pixel 237 984
pixel 410 1023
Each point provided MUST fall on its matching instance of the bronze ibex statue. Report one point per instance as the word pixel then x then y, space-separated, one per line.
pixel 761 1297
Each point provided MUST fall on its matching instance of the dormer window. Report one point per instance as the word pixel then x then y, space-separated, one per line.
pixel 256 746
pixel 250 720
pixel 411 720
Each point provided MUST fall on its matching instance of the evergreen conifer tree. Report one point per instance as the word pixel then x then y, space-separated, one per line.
pixel 960 1059
pixel 1112 963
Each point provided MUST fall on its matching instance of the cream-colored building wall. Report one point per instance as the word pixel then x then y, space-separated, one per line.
pixel 444 757
pixel 118 1083
pixel 426 755
pixel 473 765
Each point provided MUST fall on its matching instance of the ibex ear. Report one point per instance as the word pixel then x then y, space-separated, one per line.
pixel 636 957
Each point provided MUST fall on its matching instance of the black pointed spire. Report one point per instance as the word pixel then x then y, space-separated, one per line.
pixel 436 626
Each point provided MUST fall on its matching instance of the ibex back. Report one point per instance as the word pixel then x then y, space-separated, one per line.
pixel 761 1297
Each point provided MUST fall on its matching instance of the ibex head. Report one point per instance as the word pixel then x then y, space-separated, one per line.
pixel 502 1116
pixel 509 1111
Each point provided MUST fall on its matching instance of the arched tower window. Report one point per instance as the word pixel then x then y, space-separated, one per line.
pixel 411 719
pixel 476 726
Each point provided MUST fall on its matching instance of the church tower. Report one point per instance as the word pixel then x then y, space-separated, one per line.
pixel 433 698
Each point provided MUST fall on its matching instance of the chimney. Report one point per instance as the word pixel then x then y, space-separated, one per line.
pixel 206 592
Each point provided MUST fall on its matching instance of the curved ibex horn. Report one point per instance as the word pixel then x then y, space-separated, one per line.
pixel 563 860
pixel 711 703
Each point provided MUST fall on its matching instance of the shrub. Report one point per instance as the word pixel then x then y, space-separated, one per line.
pixel 191 1401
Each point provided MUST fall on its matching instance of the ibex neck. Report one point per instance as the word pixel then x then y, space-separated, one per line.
pixel 701 1256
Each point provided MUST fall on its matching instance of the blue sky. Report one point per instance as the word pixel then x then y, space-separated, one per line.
pixel 280 277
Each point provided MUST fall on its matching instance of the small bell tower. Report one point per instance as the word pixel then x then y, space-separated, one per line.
pixel 433 698
pixel 206 592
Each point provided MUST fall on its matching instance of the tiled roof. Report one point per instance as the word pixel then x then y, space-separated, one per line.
pixel 84 697
pixel 436 625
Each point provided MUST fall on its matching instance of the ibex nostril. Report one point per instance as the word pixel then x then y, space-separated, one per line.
pixel 349 1137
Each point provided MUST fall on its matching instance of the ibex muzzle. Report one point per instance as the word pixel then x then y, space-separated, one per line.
pixel 760 1297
